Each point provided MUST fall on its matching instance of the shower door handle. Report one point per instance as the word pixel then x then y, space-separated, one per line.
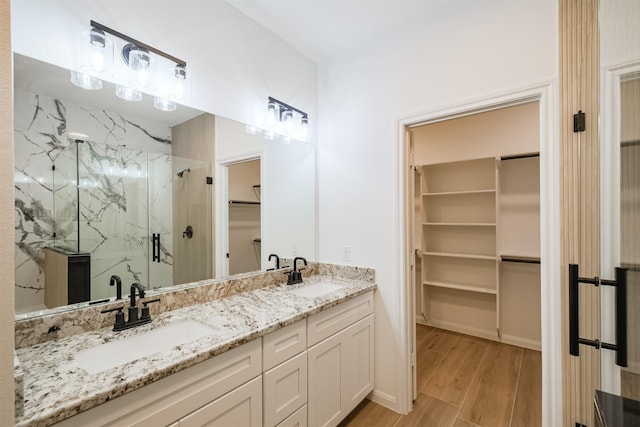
pixel 156 247
pixel 620 283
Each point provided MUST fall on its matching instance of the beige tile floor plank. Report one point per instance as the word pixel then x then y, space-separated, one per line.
pixel 462 423
pixel 427 363
pixel 492 393
pixel 527 410
pixel 439 340
pixel 370 414
pixel 455 373
pixel 429 412
pixel 422 332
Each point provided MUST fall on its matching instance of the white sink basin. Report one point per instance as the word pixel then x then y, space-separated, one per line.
pixel 317 289
pixel 161 340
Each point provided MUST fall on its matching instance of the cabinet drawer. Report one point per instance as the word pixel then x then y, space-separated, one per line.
pixel 285 389
pixel 297 419
pixel 283 344
pixel 167 400
pixel 240 408
pixel 328 322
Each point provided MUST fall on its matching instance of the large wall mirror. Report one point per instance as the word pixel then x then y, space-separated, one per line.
pixel 106 187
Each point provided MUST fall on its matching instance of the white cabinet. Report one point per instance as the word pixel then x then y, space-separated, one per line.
pixel 313 372
pixel 340 366
pixel 297 419
pixel 285 389
pixel 170 399
pixel 241 407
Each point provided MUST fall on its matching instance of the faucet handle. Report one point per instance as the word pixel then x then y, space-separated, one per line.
pixel 145 309
pixel 119 323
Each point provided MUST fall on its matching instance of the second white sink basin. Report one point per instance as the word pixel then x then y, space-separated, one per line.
pixel 160 340
pixel 317 289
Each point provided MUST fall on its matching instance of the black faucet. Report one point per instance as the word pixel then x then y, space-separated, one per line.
pixel 133 308
pixel 277 267
pixel 295 276
pixel 133 320
pixel 115 281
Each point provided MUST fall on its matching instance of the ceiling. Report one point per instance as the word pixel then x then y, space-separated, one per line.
pixel 323 29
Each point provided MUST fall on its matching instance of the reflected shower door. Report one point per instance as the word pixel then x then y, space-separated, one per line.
pixel 114 219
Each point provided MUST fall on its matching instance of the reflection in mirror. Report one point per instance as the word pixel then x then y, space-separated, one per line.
pixel 106 187
pixel 630 224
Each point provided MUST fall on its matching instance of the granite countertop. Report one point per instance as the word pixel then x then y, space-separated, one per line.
pixel 55 388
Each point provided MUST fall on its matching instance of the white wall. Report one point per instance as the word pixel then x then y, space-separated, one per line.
pixel 462 51
pixel 235 63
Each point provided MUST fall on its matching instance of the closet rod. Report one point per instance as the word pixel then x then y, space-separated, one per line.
pixel 242 202
pixel 520 156
pixel 630 266
pixel 631 143
pixel 521 260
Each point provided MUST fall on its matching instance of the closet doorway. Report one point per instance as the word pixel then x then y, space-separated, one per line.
pixel 475 240
pixel 244 216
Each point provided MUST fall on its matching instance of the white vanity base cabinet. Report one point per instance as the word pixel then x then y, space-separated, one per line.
pixel 341 366
pixel 241 407
pixel 297 419
pixel 172 398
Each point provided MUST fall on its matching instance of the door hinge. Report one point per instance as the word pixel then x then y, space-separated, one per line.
pixel 413 359
pixel 579 122
pixel 209 180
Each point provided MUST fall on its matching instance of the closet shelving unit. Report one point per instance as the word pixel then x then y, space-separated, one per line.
pixel 467 239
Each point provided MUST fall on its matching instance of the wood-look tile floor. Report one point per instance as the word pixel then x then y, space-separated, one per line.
pixel 464 381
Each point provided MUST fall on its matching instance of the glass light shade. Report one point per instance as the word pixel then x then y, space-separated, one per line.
pixel 287 117
pixel 304 128
pixel 180 83
pixel 85 81
pixel 141 64
pixel 252 130
pixel 96 53
pixel 128 93
pixel 164 104
pixel 271 115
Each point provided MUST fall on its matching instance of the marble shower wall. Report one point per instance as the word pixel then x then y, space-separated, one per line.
pixel 115 214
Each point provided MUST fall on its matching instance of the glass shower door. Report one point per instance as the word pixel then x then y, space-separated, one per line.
pixel 113 215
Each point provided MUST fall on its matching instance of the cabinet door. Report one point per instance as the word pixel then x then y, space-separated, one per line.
pixel 358 373
pixel 340 373
pixel 325 381
pixel 239 408
pixel 284 389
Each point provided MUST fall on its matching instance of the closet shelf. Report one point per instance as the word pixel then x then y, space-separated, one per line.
pixel 456 193
pixel 520 259
pixel 458 255
pixel 461 224
pixel 468 288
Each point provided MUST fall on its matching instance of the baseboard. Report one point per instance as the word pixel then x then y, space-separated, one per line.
pixel 482 333
pixel 521 342
pixel 464 329
pixel 385 400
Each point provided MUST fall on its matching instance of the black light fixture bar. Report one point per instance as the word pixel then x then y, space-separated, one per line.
pixel 289 107
pixel 118 34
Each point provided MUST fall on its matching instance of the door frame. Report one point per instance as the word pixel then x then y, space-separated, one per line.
pixel 551 310
pixel 222 205
pixel 610 116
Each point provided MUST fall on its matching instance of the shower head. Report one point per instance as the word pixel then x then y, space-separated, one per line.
pixel 181 173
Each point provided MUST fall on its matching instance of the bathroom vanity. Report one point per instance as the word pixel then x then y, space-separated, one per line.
pixel 275 356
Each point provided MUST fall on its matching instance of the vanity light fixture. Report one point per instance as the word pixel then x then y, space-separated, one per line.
pixel 285 120
pixel 145 68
